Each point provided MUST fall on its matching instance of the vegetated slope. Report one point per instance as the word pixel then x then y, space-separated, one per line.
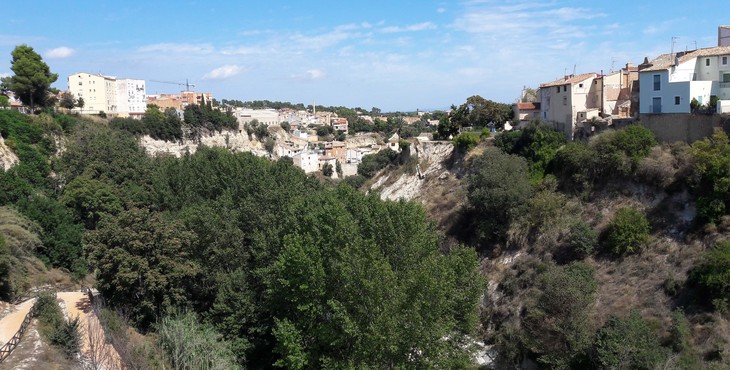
pixel 572 286
pixel 431 176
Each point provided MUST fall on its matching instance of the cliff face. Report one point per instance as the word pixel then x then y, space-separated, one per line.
pixel 435 183
pixel 232 140
pixel 7 157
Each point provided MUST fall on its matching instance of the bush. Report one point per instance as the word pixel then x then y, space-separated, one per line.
pixel 65 335
pixel 356 181
pixel 499 190
pixel 189 344
pixel 466 141
pixel 557 326
pixel 711 276
pixel 581 241
pixel 372 163
pixel 628 343
pixel 627 232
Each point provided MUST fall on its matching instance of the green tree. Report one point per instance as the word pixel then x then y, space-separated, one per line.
pixel 627 232
pixel 80 103
pixel 67 100
pixel 142 263
pixel 32 77
pixel 498 190
pixel 628 343
pixel 327 170
pixel 4 102
pixel 711 276
pixel 478 112
pixel 712 188
pixel 557 325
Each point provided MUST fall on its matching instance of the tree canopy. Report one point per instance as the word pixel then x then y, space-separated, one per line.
pixel 32 77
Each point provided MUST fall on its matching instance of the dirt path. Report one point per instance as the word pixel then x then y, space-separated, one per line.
pixel 93 344
pixel 10 324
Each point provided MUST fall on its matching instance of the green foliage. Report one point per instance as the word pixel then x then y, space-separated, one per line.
pixel 478 112
pixel 557 325
pixel 61 235
pixel 582 240
pixel 286 126
pixel 356 181
pixel 6 288
pixel 4 101
pixel 372 163
pixel 65 335
pixel 711 276
pixel 67 100
pixel 32 77
pixel 694 104
pixel 466 141
pixel 201 118
pixel 627 232
pixel 628 343
pixel 498 190
pixel 607 156
pixel 712 187
pixel 538 143
pixel 189 344
pixel 141 261
pixel 327 170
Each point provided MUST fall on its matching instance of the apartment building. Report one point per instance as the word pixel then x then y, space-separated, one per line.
pixel 119 97
pixel 570 100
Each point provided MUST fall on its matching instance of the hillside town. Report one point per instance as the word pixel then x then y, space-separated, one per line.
pixel 662 92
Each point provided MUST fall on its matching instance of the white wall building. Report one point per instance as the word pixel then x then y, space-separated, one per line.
pixel 123 97
pixel 266 116
pixel 131 97
pixel 670 81
pixel 570 100
pixel 307 161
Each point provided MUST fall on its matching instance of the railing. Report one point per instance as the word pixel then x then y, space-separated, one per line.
pixel 8 347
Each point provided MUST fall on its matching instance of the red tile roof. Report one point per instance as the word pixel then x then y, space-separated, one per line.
pixel 528 106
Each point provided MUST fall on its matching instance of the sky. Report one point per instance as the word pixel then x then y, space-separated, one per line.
pixel 395 55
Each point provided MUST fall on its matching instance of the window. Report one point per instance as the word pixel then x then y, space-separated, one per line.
pixel 558 88
pixel 657 82
pixel 565 88
pixel 580 85
pixel 724 61
pixel 565 100
pixel 726 77
pixel 676 100
pixel 707 62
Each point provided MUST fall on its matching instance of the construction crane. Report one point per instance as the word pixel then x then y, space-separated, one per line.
pixel 187 84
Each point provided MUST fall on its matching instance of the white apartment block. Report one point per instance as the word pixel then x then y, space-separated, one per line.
pixel 120 97
pixel 131 97
pixel 267 117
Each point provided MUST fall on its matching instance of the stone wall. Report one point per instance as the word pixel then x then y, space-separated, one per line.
pixel 689 128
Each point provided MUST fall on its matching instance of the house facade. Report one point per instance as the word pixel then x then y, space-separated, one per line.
pixel 119 97
pixel 670 82
pixel 525 112
pixel 570 100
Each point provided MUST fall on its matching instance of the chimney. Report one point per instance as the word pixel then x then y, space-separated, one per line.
pixel 723 36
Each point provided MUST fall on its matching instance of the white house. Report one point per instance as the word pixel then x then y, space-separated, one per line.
pixel 307 161
pixel 267 117
pixel 670 81
pixel 570 100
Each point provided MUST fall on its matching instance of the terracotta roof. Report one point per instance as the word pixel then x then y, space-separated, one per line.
pixel 528 106
pixel 665 61
pixel 570 79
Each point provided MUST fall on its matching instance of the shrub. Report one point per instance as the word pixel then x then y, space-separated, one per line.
pixel 711 276
pixel 581 241
pixel 65 335
pixel 557 326
pixel 499 190
pixel 372 163
pixel 356 181
pixel 627 232
pixel 189 344
pixel 466 141
pixel 628 343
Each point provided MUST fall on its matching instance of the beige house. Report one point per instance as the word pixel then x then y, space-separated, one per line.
pixel 98 92
pixel 620 92
pixel 525 112
pixel 570 100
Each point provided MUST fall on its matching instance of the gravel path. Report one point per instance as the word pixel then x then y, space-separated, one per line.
pixel 10 324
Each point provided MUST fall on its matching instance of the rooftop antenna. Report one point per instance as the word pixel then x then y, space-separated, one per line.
pixel 674 41
pixel 695 44
pixel 574 66
pixel 613 63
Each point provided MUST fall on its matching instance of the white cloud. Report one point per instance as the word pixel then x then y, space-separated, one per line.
pixel 60 53
pixel 177 48
pixel 440 10
pixel 224 72
pixel 412 28
pixel 309 75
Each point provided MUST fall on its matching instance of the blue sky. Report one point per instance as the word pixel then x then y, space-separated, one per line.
pixel 395 55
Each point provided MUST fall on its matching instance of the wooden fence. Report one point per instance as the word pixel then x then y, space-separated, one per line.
pixel 8 347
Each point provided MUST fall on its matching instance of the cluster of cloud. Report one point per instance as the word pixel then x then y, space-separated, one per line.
pixel 223 72
pixel 59 53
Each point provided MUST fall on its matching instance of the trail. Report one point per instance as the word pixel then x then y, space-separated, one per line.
pixel 10 324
